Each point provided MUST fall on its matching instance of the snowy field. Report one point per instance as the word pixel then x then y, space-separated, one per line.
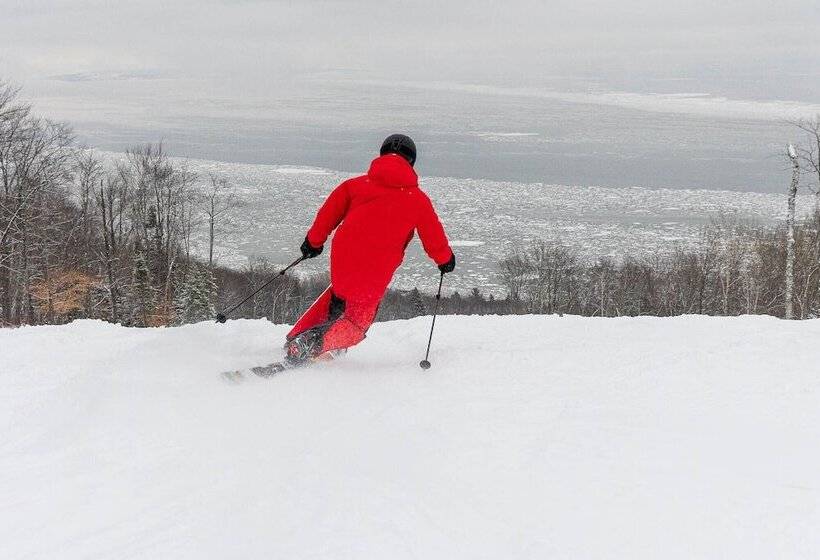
pixel 531 437
pixel 484 219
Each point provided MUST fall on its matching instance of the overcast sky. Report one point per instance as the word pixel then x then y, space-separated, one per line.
pixel 256 45
pixel 586 91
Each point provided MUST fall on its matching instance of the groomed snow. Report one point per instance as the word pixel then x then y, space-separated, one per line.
pixel 531 437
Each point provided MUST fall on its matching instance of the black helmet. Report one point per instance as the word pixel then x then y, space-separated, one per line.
pixel 399 144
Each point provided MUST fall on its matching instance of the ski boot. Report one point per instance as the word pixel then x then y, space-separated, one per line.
pixel 302 348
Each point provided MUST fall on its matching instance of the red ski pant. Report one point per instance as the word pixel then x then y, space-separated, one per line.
pixel 344 322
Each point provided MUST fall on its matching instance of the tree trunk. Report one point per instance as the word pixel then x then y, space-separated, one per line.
pixel 108 244
pixel 789 314
pixel 5 289
pixel 211 242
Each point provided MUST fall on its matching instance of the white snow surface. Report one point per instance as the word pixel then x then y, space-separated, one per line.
pixel 530 437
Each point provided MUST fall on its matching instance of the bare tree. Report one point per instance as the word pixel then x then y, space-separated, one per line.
pixel 542 275
pixel 730 239
pixel 13 115
pixel 217 202
pixel 35 162
pixel 113 200
pixel 161 195
pixel 810 157
pixel 602 279
pixel 513 271
pixel 791 152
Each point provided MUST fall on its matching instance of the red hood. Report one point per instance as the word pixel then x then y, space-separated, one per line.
pixel 392 170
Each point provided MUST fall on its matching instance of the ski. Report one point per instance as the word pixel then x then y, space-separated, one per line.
pixel 239 375
pixel 265 372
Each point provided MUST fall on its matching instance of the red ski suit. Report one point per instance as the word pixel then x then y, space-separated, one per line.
pixel 379 213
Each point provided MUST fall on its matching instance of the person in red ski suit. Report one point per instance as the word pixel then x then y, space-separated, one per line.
pixel 375 217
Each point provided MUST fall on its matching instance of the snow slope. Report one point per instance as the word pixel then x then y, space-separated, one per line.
pixel 531 437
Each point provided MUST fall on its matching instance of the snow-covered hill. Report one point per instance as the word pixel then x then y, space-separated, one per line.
pixel 531 437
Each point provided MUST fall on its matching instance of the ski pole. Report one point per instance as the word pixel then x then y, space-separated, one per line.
pixel 222 317
pixel 425 363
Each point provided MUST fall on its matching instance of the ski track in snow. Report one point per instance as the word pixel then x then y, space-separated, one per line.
pixel 531 437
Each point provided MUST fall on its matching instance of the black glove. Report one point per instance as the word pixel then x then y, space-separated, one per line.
pixel 449 266
pixel 309 251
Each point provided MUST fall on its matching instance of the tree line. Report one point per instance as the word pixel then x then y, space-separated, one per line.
pixel 86 237
pixel 735 269
pixel 83 237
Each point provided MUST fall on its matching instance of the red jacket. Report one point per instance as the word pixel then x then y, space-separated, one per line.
pixel 379 213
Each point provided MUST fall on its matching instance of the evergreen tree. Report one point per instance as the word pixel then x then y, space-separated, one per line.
pixel 142 289
pixel 195 296
pixel 182 289
pixel 418 302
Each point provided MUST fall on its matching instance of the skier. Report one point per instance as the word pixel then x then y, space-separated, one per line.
pixel 377 215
